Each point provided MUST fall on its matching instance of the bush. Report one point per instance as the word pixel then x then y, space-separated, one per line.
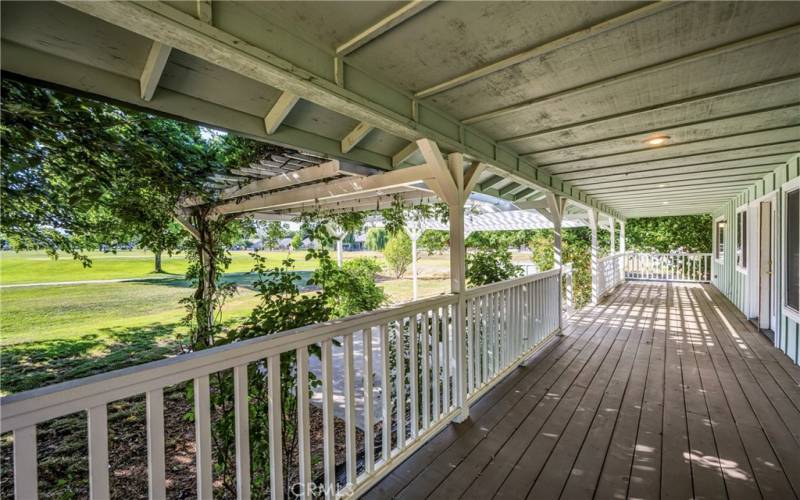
pixel 398 253
pixel 490 266
pixel 351 289
pixel 376 239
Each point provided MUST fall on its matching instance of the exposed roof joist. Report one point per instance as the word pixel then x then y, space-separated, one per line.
pixel 279 111
pixel 675 128
pixel 394 19
pixel 329 190
pixel 637 73
pixel 546 48
pixel 662 148
pixel 355 136
pixel 694 160
pixel 153 68
pixel 392 112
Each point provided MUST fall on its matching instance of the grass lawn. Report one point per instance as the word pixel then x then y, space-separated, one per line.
pixel 54 333
pixel 38 267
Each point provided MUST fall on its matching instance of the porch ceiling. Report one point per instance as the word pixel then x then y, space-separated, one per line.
pixel 553 95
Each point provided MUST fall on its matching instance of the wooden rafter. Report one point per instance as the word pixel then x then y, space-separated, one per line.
pixel 279 111
pixel 329 190
pixel 404 154
pixel 287 179
pixel 153 68
pixel 355 136
pixel 637 73
pixel 538 51
pixel 392 20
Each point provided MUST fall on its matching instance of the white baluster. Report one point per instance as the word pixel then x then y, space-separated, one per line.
pixel 26 464
pixel 156 465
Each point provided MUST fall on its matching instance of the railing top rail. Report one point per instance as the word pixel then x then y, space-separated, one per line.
pixel 673 254
pixel 502 285
pixel 611 256
pixel 38 405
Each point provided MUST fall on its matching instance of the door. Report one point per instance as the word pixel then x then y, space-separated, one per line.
pixel 765 259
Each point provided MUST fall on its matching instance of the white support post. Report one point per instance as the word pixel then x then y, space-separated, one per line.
pixel 414 229
pixel 593 216
pixel 455 163
pixel 622 249
pixel 338 234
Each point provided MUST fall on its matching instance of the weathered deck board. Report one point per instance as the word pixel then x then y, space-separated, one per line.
pixel 663 390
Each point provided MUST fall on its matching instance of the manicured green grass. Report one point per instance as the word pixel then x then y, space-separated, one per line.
pixel 53 333
pixel 38 267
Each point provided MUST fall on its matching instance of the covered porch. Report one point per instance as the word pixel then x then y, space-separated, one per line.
pixel 662 390
pixel 586 114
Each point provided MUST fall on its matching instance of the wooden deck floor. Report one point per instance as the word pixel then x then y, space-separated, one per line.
pixel 663 390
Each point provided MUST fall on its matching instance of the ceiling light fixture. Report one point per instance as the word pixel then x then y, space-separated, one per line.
pixel 656 140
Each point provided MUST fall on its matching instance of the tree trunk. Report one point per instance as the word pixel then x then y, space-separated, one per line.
pixel 158 267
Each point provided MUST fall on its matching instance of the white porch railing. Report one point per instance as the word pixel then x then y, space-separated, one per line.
pixel 502 324
pixel 691 267
pixel 610 272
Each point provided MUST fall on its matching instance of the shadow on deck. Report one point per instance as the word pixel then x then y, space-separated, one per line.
pixel 661 390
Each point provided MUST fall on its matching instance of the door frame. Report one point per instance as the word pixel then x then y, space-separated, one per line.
pixel 754 257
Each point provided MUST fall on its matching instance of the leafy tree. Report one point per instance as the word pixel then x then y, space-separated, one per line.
pixel 434 241
pixel 398 253
pixel 690 233
pixel 274 233
pixel 490 266
pixel 376 239
pixel 78 174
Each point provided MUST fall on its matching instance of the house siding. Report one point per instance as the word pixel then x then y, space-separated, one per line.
pixel 732 282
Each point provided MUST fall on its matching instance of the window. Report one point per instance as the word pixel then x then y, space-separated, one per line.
pixel 720 232
pixel 741 239
pixel 792 268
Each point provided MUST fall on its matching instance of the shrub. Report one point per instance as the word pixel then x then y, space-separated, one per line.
pixel 351 289
pixel 490 266
pixel 398 253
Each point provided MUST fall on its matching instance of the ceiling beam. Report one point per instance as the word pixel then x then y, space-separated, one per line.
pixel 490 182
pixel 390 110
pixel 552 46
pixel 404 154
pixel 355 136
pixel 676 127
pixel 667 146
pixel 329 190
pixel 786 148
pixel 668 180
pixel 710 176
pixel 279 111
pixel 204 11
pixel 364 203
pixel 392 20
pixel 637 73
pixel 677 170
pixel 153 68
pixel 657 107
pixel 301 176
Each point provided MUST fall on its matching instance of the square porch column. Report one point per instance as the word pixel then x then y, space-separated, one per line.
pixel 593 216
